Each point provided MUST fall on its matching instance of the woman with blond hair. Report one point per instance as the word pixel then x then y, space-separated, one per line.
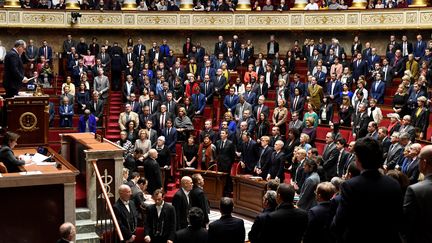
pixel 143 142
pixel 280 116
pixel 374 111
pixel 400 100
pixel 361 84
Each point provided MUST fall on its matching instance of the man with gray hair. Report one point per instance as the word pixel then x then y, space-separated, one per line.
pixel 394 153
pixel 407 127
pixel 14 70
pixel 152 172
pixel 242 106
pixel 277 163
pixel 269 205
pixel 101 84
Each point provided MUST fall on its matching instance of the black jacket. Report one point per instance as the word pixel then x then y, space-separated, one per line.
pixel 13 73
pixel 227 229
pixel 199 199
pixel 191 235
pixel 127 219
pixel 182 206
pixel 162 228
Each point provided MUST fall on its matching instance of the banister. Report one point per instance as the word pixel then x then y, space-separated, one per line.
pixel 110 209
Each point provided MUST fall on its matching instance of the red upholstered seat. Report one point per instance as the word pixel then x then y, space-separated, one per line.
pixel 321 132
pixel 320 147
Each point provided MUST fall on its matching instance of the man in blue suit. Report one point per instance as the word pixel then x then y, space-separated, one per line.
pixel 297 84
pixel 199 101
pixel 45 51
pixel 374 58
pixel 164 49
pixel 419 48
pixel 66 113
pixel 320 76
pixel 87 122
pixel 231 100
pixel 249 154
pixel 207 70
pixel 378 89
pixel 170 134
pixel 249 96
pixel 334 88
pixel 360 67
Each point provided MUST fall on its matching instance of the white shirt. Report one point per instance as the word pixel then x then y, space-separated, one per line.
pixel 187 194
pixel 159 208
pixel 2 53
pixel 126 203
pixel 311 6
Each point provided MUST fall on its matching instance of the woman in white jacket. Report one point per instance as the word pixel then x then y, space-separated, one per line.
pixel 374 111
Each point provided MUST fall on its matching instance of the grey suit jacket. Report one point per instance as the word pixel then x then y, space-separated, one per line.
pixel 101 85
pixel 307 192
pixel 239 112
pixel 393 155
pixel 418 211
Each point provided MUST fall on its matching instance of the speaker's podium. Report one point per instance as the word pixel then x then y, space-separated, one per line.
pixel 28 116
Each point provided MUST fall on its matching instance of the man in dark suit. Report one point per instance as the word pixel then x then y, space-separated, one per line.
pixel 272 47
pixel 261 108
pixel 96 107
pixel 126 214
pixel 370 197
pixel 277 162
pixel 219 82
pixel 330 157
pixel 320 216
pixel 45 51
pixel 231 100
pixel 407 127
pixel 161 118
pixel 269 205
pixel 288 219
pixel 152 103
pixel 373 58
pixel 31 52
pixel 249 95
pixel 394 152
pixel 139 47
pixel 128 88
pixel 225 151
pixel 406 46
pixel 67 233
pixel 342 157
pixel 387 72
pixel 207 89
pixel 419 48
pixel 13 69
pixel 152 171
pixel 249 153
pixel 410 165
pixel 220 46
pixel 384 140
pixel 360 122
pixel 66 113
pixel 263 165
pixel 198 198
pixel 360 67
pixel 227 229
pixel 181 202
pixel 334 89
pixel 418 199
pixel 195 232
pixel 161 221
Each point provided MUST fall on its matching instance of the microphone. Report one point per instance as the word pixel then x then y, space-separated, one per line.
pixel 208 169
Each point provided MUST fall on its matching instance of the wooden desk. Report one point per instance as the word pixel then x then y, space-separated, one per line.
pixel 33 206
pixel 81 149
pixel 248 195
pixel 214 183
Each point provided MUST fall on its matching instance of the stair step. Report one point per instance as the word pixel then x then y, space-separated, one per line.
pixel 85 226
pixel 171 186
pixel 87 238
pixel 82 213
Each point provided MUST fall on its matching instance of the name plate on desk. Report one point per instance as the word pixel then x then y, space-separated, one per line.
pixel 31 173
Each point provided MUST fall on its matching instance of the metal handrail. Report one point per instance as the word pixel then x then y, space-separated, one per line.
pixel 108 203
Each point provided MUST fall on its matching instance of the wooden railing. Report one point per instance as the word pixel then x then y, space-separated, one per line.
pixel 108 224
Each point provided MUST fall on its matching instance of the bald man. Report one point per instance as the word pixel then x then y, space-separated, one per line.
pixel 181 202
pixel 67 233
pixel 418 201
pixel 152 172
pixel 126 214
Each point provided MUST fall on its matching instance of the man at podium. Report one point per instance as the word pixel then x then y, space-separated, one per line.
pixel 14 70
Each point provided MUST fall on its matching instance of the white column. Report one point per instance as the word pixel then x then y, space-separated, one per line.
pixel 91 189
pixel 129 5
pixel 72 4
pixel 300 4
pixel 359 4
pixel 243 5
pixel 186 5
pixel 69 202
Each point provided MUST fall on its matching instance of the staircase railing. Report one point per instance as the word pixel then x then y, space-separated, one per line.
pixel 107 222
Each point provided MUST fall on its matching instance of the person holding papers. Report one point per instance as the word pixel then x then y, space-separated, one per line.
pixel 7 156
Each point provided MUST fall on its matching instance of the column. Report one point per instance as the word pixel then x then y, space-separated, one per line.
pixel 72 4
pixel 186 5
pixel 129 5
pixel 299 4
pixel 359 4
pixel 418 4
pixel 243 5
pixel 12 4
pixel 69 202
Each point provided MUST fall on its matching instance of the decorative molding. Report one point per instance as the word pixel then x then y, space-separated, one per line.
pixel 412 18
